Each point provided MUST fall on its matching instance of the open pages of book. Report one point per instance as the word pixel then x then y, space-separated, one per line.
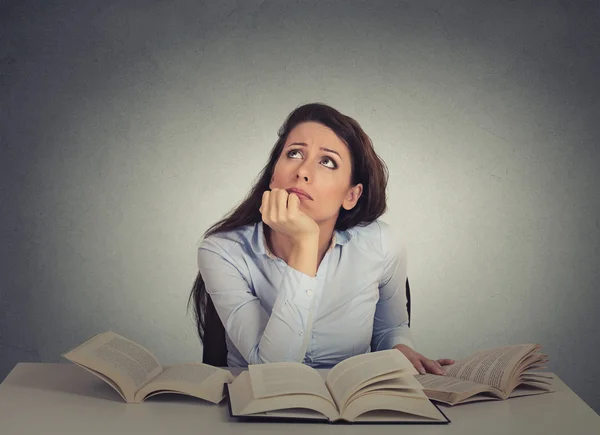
pixel 194 379
pixel 352 374
pixel 378 381
pixel 123 364
pixel 136 374
pixel 491 374
pixel 370 387
pixel 281 386
pixel 451 390
pixel 500 367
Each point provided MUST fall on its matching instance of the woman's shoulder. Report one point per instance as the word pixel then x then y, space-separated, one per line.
pixel 378 236
pixel 237 239
pixel 376 230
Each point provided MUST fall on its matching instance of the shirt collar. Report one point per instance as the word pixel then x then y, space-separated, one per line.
pixel 259 244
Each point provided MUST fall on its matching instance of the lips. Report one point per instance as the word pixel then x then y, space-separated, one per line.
pixel 299 192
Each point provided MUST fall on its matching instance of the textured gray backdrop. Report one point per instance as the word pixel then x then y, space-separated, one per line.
pixel 128 128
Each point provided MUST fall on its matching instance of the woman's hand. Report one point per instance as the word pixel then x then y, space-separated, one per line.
pixel 281 211
pixel 423 364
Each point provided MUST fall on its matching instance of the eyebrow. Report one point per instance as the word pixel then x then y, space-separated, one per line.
pixel 322 148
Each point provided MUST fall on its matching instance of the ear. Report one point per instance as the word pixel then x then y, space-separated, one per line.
pixel 352 197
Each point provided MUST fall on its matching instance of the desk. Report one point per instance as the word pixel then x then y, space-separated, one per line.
pixel 65 399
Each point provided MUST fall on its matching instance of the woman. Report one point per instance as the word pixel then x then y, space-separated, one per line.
pixel 303 270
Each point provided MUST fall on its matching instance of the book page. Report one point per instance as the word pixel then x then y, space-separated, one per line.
pixel 492 367
pixel 377 401
pixel 128 364
pixel 195 373
pixel 452 390
pixel 406 386
pixel 533 383
pixel 195 379
pixel 350 375
pixel 276 379
pixel 386 416
pixel 295 413
pixel 106 379
pixel 531 388
pixel 130 357
pixel 244 402
pixel 452 385
pixel 537 375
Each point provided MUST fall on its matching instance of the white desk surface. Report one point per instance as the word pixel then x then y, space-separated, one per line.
pixel 47 399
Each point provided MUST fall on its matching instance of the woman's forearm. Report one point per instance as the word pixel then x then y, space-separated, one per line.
pixel 304 256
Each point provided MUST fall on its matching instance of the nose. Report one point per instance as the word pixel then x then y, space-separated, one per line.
pixel 303 172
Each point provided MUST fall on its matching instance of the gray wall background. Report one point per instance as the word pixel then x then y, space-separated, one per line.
pixel 128 128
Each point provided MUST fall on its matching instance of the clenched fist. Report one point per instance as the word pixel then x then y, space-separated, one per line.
pixel 281 211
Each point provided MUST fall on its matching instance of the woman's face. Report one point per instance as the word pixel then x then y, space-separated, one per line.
pixel 315 160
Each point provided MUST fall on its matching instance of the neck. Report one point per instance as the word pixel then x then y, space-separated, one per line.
pixel 281 245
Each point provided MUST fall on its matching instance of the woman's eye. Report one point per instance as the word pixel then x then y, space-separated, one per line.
pixel 331 165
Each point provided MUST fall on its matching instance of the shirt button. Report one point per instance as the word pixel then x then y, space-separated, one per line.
pixel 301 333
pixel 309 293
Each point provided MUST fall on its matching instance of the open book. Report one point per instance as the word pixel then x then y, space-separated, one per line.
pixel 494 374
pixel 136 374
pixel 378 387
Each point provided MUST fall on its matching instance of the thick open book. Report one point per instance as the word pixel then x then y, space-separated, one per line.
pixel 136 374
pixel 378 387
pixel 494 374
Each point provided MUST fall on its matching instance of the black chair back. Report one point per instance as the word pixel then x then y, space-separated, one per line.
pixel 214 350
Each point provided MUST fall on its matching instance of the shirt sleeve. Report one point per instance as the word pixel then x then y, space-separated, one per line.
pixel 390 326
pixel 260 338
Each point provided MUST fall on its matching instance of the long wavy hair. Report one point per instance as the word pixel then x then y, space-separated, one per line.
pixel 367 168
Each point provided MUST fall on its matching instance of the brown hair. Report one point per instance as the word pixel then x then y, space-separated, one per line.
pixel 367 168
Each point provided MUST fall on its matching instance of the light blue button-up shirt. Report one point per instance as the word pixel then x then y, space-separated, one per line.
pixel 273 312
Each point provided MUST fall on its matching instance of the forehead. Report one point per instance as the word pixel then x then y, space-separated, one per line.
pixel 315 134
